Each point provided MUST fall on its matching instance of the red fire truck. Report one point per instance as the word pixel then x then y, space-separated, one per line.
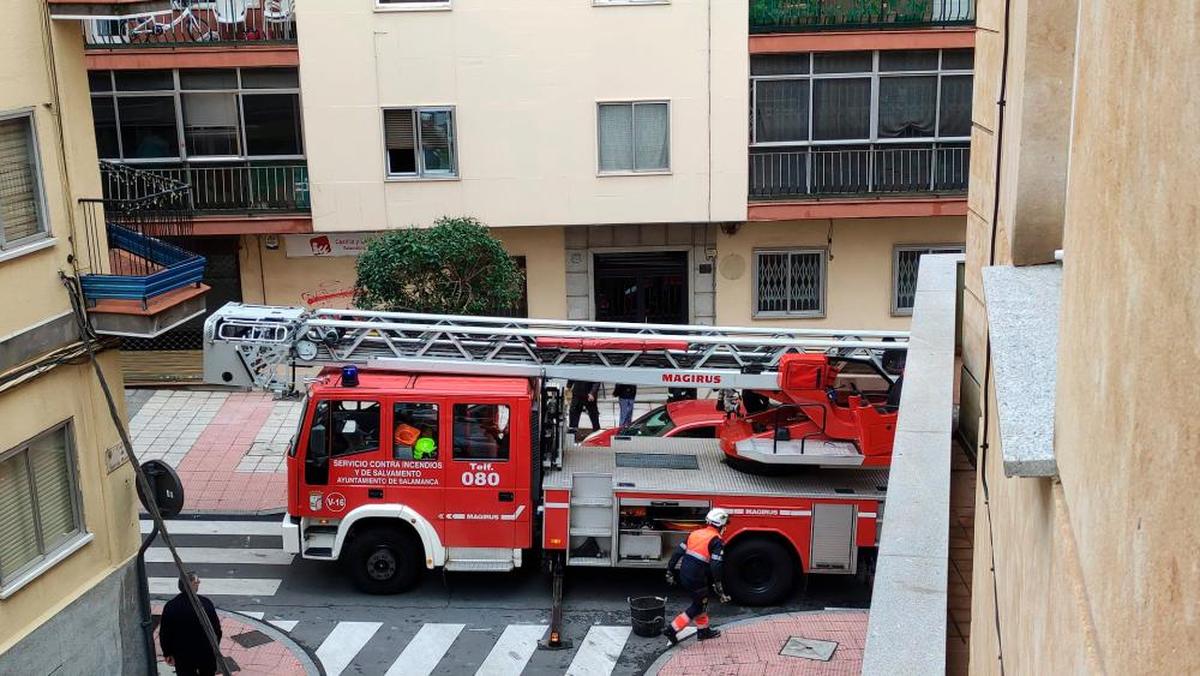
pixel 434 441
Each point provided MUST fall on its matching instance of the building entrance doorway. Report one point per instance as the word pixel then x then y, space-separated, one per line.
pixel 644 287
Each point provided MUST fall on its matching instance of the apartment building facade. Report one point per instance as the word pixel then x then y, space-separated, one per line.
pixel 68 510
pixel 1075 387
pixel 708 161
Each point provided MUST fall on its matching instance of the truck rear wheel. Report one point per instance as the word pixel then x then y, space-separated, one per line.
pixel 759 572
pixel 384 561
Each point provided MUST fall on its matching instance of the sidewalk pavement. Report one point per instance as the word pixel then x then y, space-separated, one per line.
pixel 250 647
pixel 230 448
pixel 757 646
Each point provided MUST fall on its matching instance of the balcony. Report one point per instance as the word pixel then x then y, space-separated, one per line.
pixel 204 23
pixel 892 170
pixel 793 16
pixel 134 282
pixel 224 190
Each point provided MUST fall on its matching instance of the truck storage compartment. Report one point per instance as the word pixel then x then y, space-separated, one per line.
pixel 650 530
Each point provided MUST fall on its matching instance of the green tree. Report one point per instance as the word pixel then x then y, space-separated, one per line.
pixel 454 267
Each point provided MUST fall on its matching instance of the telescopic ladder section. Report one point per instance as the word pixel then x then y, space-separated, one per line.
pixel 248 345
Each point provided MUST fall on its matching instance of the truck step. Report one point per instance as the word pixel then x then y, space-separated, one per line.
pixel 591 502
pixel 331 530
pixel 598 562
pixel 592 532
pixel 480 565
pixel 319 553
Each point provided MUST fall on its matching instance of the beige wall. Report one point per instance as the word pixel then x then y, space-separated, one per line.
pixel 109 503
pixel 24 86
pixel 525 78
pixel 328 281
pixel 35 294
pixel 1096 571
pixel 859 274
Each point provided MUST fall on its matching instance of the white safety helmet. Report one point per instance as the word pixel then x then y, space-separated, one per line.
pixel 717 517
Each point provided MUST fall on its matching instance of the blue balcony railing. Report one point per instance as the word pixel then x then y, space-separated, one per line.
pixel 126 257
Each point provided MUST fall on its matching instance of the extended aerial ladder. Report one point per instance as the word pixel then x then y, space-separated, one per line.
pixel 254 346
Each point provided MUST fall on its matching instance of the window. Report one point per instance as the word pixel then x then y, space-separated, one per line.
pixel 481 432
pixel 789 283
pixel 655 423
pixel 824 98
pixel 39 502
pixel 355 426
pixel 22 215
pixel 415 433
pixel 905 263
pixel 412 4
pixel 634 137
pixel 420 142
pixel 231 113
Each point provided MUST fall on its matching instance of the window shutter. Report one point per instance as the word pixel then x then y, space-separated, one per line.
pixel 52 481
pixel 18 181
pixel 18 530
pixel 398 129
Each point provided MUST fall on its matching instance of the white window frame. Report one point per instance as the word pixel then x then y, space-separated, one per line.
pixel 413 5
pixel 420 174
pixel 898 311
pixel 633 138
pixel 47 559
pixel 176 92
pixel 618 3
pixel 823 252
pixel 37 240
pixel 874 74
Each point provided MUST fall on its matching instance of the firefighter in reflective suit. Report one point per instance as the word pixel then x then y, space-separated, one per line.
pixel 700 568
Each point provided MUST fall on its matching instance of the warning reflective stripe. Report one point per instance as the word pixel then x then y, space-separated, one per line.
pixel 557 505
pixel 867 515
pixel 484 517
pixel 795 512
pixel 699 556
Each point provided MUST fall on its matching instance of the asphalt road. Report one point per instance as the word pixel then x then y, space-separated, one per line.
pixel 243 569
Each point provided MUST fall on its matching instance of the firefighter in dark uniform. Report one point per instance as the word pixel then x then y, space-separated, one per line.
pixel 700 568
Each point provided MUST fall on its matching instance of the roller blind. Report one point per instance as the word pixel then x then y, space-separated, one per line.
pixel 18 528
pixel 19 215
pixel 398 129
pixel 52 484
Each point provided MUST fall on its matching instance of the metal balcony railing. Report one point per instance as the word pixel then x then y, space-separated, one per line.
pixel 886 169
pixel 124 257
pixel 224 189
pixel 785 16
pixel 225 23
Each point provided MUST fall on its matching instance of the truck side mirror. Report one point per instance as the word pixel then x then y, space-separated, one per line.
pixel 318 450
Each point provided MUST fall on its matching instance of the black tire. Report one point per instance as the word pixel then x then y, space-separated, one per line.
pixel 384 561
pixel 759 572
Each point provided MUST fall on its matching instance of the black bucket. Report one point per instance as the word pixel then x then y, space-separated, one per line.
pixel 648 614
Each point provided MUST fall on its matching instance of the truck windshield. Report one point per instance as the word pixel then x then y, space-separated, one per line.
pixel 653 424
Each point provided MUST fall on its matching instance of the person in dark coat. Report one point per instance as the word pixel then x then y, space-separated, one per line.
pixel 583 396
pixel 181 635
pixel 625 395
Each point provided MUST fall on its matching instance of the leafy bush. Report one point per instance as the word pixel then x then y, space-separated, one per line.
pixel 454 267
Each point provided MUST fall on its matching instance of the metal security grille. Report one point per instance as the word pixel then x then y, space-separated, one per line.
pixel 906 263
pixel 790 283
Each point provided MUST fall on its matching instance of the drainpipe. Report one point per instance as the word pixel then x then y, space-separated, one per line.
pixel 144 601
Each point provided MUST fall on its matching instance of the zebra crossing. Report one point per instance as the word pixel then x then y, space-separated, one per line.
pixel 243 569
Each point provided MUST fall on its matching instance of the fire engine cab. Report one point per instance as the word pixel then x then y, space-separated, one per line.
pixel 432 441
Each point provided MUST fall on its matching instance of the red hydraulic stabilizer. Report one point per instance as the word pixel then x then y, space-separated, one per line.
pixel 812 424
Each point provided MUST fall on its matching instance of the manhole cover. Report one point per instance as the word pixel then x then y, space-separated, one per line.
pixel 657 461
pixel 251 639
pixel 808 648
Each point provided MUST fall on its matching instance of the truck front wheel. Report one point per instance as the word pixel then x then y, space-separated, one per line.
pixel 759 572
pixel 384 561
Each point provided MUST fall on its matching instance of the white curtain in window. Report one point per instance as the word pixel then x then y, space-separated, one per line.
pixel 616 137
pixel 18 530
pixel 652 143
pixel 52 483
pixel 18 181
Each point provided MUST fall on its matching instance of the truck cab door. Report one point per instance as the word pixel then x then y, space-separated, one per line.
pixel 343 444
pixel 484 507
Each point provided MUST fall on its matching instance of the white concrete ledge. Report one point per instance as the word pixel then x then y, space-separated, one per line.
pixel 1023 314
pixel 906 632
